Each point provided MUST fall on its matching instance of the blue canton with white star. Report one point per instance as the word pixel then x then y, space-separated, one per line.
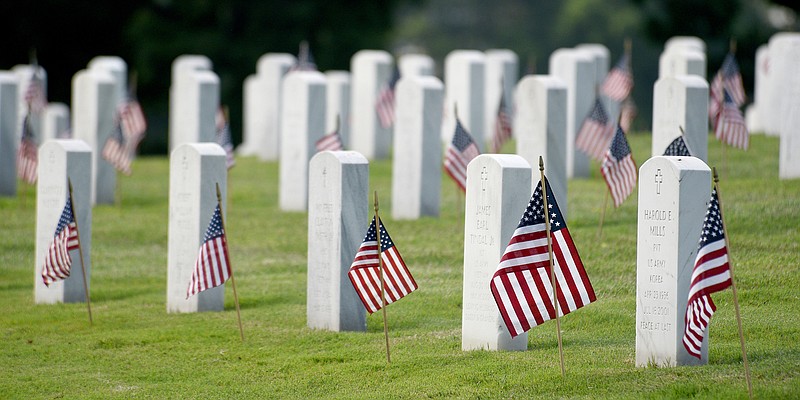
pixel 712 224
pixel 461 139
pixel 371 236
pixel 678 148
pixel 599 113
pixel 66 217
pixel 619 146
pixel 534 212
pixel 215 226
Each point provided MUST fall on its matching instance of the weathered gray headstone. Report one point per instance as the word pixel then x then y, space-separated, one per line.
pixel 756 111
pixel 338 208
pixel 681 102
pixel 338 104
pixel 9 141
pixel 194 171
pixel 416 65
pixel 541 130
pixel 262 95
pixel 788 66
pixel 94 95
pixel 55 123
pixel 417 158
pixel 464 85
pixel 673 192
pixel 370 69
pixel 302 124
pixel 498 190
pixel 58 161
pixel 502 74
pixel 577 69
pixel 182 67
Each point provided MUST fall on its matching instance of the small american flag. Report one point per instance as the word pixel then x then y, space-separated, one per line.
pixel 385 103
pixel 522 285
pixel 678 148
pixel 711 274
pixel 57 261
pixel 502 125
pixel 117 150
pixel 459 153
pixel 305 60
pixel 27 157
pixel 731 127
pixel 619 169
pixel 729 79
pixel 331 141
pixel 134 124
pixel 223 137
pixel 213 267
pixel 596 132
pixel 365 271
pixel 35 96
pixel 619 82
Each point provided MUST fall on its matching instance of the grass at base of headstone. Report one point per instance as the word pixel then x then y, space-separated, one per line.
pixel 136 349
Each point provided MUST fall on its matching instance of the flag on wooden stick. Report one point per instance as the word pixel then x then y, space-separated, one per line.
pixel 365 274
pixel 619 168
pixel 502 124
pixel 731 127
pixel 619 82
pixel 27 154
pixel 596 132
pixel 57 261
pixel 460 152
pixel 213 266
pixel 522 285
pixel 384 106
pixel 728 79
pixel 331 141
pixel 711 274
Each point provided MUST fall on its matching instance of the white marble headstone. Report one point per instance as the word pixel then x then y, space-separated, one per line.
pixel 416 65
pixel 199 102
pixel 55 123
pixel 681 102
pixel 194 171
pixel 691 42
pixel 417 158
pixel 541 127
pixel 498 190
pixel 338 208
pixel 94 95
pixel 118 69
pixel 338 104
pixel 60 160
pixel 9 141
pixel 682 60
pixel 464 85
pixel 261 103
pixel 577 69
pixel 787 67
pixel 780 73
pixel 602 61
pixel 182 67
pixel 502 74
pixel 673 193
pixel 302 124
pixel 756 111
pixel 370 69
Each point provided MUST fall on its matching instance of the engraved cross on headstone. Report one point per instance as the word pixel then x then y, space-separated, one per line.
pixel 659 179
pixel 484 178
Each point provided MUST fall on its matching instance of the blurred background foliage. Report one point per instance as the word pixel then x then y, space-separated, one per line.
pixel 150 34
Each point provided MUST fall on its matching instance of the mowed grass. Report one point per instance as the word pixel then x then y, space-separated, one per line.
pixel 135 349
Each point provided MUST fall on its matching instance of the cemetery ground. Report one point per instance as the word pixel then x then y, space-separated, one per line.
pixel 136 350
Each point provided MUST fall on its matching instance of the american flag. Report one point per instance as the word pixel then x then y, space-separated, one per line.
pixel 459 153
pixel 305 60
pixel 502 125
pixel 729 79
pixel 627 114
pixel 134 124
pixel 27 157
pixel 712 273
pixel 619 82
pixel 223 137
pixel 596 132
pixel 35 96
pixel 117 149
pixel 678 148
pixel 731 127
pixel 365 271
pixel 57 261
pixel 522 285
pixel 213 267
pixel 619 168
pixel 385 103
pixel 331 141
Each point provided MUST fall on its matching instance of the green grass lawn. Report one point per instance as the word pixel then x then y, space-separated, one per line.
pixel 136 350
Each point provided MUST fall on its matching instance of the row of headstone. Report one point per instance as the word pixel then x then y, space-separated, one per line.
pixel 261 102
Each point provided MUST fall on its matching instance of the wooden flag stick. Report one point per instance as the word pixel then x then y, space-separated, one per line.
pixel 233 281
pixel 733 287
pixel 602 217
pixel 383 286
pixel 80 251
pixel 552 269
